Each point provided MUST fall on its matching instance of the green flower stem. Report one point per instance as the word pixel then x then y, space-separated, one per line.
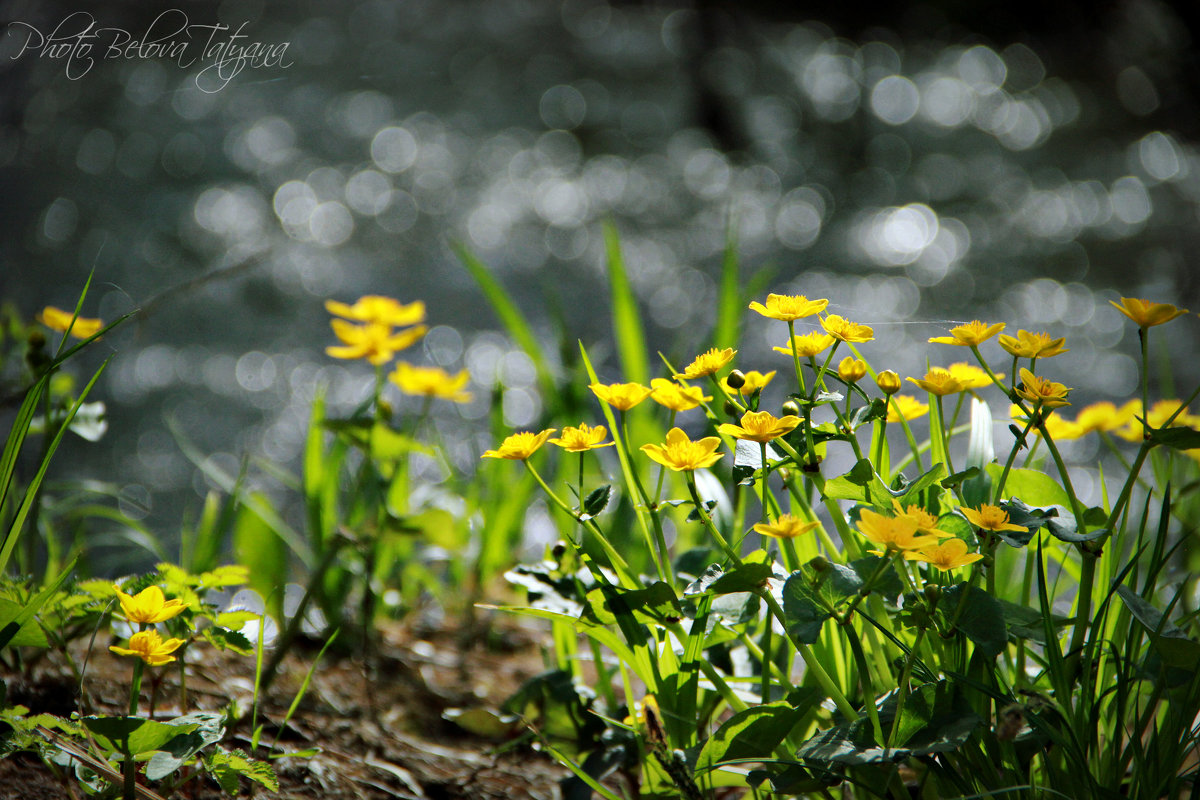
pixel 943 436
pixel 868 687
pixel 756 652
pixel 619 564
pixel 662 471
pixel 1012 456
pixel 908 434
pixel 819 380
pixel 1144 341
pixel 835 512
pixel 1026 595
pixel 762 449
pixel 814 666
pixel 658 550
pixel 902 690
pixel 880 446
pixel 843 421
pixel 718 681
pixel 865 590
pixel 703 513
pixel 796 356
pixel 135 686
pixel 984 366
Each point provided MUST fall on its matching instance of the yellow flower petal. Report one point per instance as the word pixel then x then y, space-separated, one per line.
pixel 520 446
pixel 681 454
pixel 970 333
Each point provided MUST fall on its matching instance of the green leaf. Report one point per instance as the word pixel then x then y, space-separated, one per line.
pixel 596 501
pixel 657 603
pixel 981 619
pixel 748 577
pixel 1036 488
pixel 753 733
pixel 730 301
pixel 263 551
pixel 483 722
pixel 861 484
pixel 182 748
pixel 912 492
pixel 747 460
pixel 225 639
pixel 27 634
pixel 1177 437
pixel 887 585
pixel 136 734
pixel 1172 644
pixel 1023 622
pixel 227 767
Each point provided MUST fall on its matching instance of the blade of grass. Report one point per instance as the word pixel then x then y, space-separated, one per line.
pixel 730 301
pixel 516 323
pixel 627 320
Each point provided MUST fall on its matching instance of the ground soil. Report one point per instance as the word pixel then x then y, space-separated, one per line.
pixel 378 722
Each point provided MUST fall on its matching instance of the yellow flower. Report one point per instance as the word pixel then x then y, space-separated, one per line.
pixel 760 426
pixel 786 527
pixel 675 397
pixel 851 370
pixel 939 381
pixel 682 454
pixel 904 406
pixel 752 382
pixel 1058 427
pixel 1042 391
pixel 971 376
pixel 150 647
pixel 520 446
pixel 1105 416
pixel 926 522
pixel 582 439
pixel 431 382
pixel 1033 345
pixel 1147 314
pixel 148 606
pixel 990 518
pixel 893 533
pixel 970 333
pixel 789 307
pixel 373 341
pixel 58 320
pixel 888 382
pixel 621 396
pixel 946 555
pixel 376 308
pixel 807 345
pixel 708 362
pixel 1156 417
pixel 845 330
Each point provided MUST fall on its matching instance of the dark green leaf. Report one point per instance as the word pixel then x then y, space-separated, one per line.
pixel 656 602
pixel 887 585
pixel 911 493
pixel 29 634
pixel 861 484
pixel 1172 644
pixel 1178 437
pixel 753 733
pixel 139 735
pixel 981 618
pixel 959 477
pixel 1023 622
pixel 225 639
pixel 596 501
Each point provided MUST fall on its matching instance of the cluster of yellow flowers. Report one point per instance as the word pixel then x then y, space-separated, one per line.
pixel 149 607
pixel 375 328
pixel 911 532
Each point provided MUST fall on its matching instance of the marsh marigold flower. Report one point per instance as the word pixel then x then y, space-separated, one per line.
pixel 1033 345
pixel 752 382
pixel 520 446
pixel 990 518
pixel 582 439
pixel 1105 416
pixel 786 527
pixel 148 606
pixel 431 382
pixel 1147 314
pixel 939 381
pixel 807 345
pixel 904 406
pixel 621 396
pixel 760 426
pixel 926 522
pixel 971 376
pixel 845 330
pixel 789 308
pixel 1042 391
pixel 682 454
pixel 851 369
pixel 970 333
pixel 888 382
pixel 373 341
pixel 675 397
pixel 708 362
pixel 58 320
pixel 150 647
pixel 947 555
pixel 892 533
pixel 380 309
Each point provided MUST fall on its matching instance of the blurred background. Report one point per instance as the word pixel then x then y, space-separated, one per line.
pixel 919 166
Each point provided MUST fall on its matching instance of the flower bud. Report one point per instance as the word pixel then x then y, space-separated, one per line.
pixel 888 382
pixel 791 407
pixel 851 370
pixel 736 379
pixel 731 409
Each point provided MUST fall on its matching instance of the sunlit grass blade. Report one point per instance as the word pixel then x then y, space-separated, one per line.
pixel 627 319
pixel 508 312
pixel 730 300
pixel 31 491
pixel 34 605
